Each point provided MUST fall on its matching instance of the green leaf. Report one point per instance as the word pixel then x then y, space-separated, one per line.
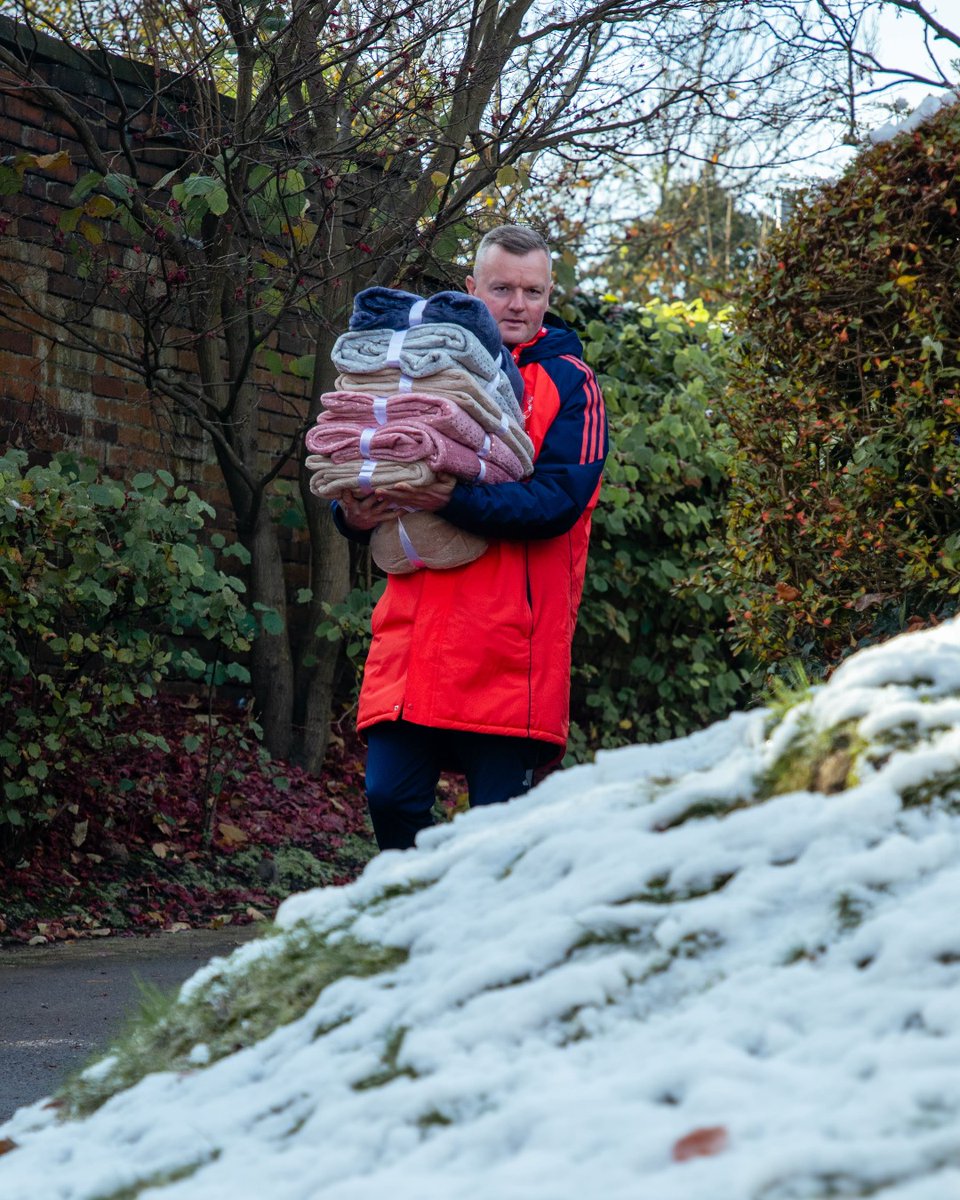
pixel 218 201
pixel 273 362
pixel 67 221
pixel 85 185
pixel 199 185
pixel 165 180
pixel 121 186
pixel 304 366
pixel 11 182
pixel 270 620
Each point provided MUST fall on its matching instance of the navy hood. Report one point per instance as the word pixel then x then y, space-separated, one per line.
pixel 554 339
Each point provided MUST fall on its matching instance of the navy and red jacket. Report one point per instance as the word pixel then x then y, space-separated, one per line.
pixel 486 647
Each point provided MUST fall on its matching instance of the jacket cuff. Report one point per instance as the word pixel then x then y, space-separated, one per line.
pixel 362 536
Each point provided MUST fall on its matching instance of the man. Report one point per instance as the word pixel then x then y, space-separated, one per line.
pixel 469 669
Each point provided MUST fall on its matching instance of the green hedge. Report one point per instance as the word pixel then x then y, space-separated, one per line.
pixel 651 659
pixel 846 410
pixel 95 578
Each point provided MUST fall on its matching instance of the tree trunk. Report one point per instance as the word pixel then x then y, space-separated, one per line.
pixel 271 659
pixel 330 572
pixel 330 583
pixel 271 663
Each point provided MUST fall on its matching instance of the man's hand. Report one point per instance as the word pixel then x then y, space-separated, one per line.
pixel 366 512
pixel 426 497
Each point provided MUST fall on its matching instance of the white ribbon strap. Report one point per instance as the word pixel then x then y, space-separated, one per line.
pixel 365 475
pixel 415 316
pixel 504 423
pixel 485 448
pixel 365 439
pixel 380 409
pixel 394 348
pixel 405 383
pixel 408 547
pixel 482 473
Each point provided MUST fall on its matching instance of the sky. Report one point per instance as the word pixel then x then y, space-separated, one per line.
pixel 642 981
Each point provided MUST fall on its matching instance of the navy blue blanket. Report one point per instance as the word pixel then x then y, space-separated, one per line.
pixel 390 308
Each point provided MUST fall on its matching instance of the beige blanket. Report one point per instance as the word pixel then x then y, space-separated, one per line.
pixel 329 479
pixel 422 539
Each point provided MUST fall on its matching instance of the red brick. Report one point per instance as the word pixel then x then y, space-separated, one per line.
pixel 105 431
pixel 21 109
pixel 14 341
pixel 109 385
pixel 39 140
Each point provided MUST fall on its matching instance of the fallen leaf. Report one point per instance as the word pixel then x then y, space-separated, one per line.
pixel 52 162
pixel 160 849
pixel 256 915
pixel 833 772
pixel 39 940
pixel 79 834
pixel 712 1139
pixel 233 835
pixel 6 1145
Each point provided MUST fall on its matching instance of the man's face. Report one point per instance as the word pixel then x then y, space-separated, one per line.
pixel 516 290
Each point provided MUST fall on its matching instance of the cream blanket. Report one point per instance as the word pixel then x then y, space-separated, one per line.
pixel 329 479
pixel 422 539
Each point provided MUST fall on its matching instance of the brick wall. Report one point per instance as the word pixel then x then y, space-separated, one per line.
pixel 54 397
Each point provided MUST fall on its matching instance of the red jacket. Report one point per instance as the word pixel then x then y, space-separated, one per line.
pixel 486 647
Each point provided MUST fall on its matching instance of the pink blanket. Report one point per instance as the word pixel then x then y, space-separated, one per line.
pixel 413 441
pixel 456 385
pixel 367 408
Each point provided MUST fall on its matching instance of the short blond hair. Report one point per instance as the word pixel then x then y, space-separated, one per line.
pixel 515 239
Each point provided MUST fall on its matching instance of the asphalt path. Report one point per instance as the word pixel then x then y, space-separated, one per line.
pixel 59 1004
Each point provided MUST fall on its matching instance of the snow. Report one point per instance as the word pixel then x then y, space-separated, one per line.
pixel 928 107
pixel 638 950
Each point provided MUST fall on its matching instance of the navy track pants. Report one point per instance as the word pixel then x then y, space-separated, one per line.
pixel 404 762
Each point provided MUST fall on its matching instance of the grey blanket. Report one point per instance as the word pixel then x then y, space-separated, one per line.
pixel 391 308
pixel 424 350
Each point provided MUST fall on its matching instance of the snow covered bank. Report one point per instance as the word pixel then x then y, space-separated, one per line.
pixel 749 936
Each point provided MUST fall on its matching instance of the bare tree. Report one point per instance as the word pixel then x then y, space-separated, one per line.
pixel 333 144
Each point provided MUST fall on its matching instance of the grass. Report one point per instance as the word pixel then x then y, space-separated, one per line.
pixel 231 1011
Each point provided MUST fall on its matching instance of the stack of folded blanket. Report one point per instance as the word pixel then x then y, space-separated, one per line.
pixel 425 387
